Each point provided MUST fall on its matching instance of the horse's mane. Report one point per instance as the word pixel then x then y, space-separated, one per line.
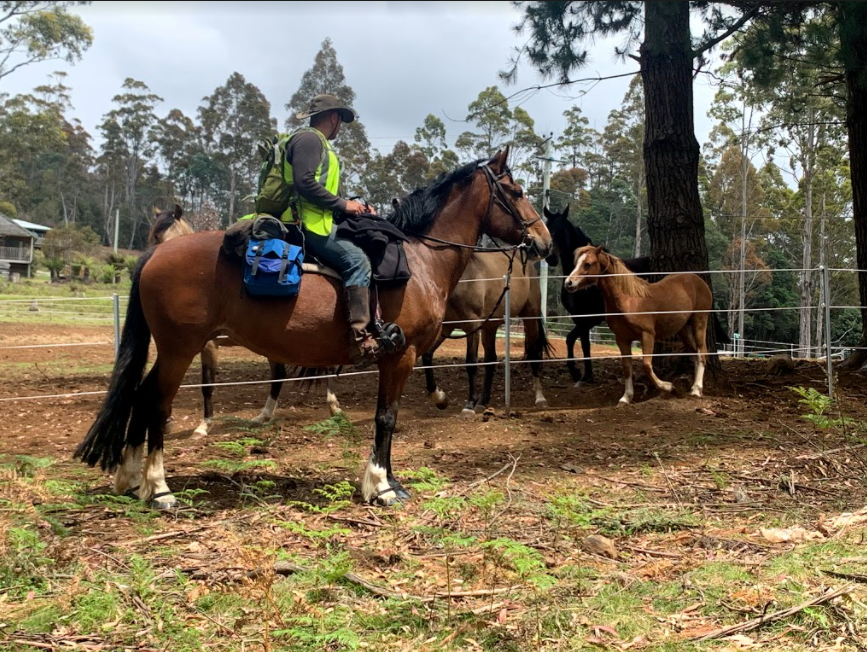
pixel 629 284
pixel 166 227
pixel 418 210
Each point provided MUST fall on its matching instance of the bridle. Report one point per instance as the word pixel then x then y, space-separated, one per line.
pixel 497 196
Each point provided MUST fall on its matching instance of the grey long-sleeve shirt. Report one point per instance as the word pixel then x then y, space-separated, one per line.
pixel 304 153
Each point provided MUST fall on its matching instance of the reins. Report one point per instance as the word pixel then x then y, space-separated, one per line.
pixel 494 186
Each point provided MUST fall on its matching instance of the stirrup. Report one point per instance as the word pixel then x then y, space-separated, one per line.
pixel 391 336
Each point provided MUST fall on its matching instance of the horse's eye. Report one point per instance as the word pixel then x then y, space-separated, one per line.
pixel 586 265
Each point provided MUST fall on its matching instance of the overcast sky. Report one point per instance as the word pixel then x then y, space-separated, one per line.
pixel 403 59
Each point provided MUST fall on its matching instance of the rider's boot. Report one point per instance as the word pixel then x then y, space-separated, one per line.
pixel 366 348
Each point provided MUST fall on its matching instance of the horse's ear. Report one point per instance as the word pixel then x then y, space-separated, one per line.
pixel 549 214
pixel 600 249
pixel 157 211
pixel 395 203
pixel 566 212
pixel 178 212
pixel 498 160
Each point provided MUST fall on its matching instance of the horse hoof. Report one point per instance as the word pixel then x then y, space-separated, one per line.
pixel 667 387
pixel 201 431
pixel 542 403
pixel 163 502
pixel 696 393
pixel 622 403
pixel 467 413
pixel 388 498
pixel 440 399
pixel 401 493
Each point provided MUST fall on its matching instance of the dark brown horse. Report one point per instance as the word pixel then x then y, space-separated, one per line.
pixel 182 312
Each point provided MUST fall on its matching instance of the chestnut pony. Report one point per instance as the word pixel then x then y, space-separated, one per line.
pixel 676 305
pixel 182 312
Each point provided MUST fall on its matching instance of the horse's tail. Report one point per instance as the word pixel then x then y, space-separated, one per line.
pixel 544 346
pixel 105 440
pixel 312 375
pixel 719 332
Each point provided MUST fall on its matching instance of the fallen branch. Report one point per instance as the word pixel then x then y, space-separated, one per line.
pixel 654 553
pixel 852 577
pixel 777 615
pixel 288 568
pixel 475 484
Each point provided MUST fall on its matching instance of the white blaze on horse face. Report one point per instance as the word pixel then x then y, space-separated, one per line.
pixel 574 280
pixel 129 474
pixel 375 481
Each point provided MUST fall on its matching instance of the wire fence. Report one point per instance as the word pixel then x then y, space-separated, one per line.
pixel 109 310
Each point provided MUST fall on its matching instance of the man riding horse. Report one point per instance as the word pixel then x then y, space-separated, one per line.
pixel 312 167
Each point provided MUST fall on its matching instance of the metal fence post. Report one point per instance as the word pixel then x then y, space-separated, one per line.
pixel 826 281
pixel 508 373
pixel 115 300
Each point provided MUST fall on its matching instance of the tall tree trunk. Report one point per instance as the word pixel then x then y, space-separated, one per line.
pixel 742 259
pixel 851 19
pixel 637 251
pixel 806 312
pixel 820 313
pixel 232 186
pixel 675 223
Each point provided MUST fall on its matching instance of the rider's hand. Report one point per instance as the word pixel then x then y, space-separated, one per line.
pixel 354 207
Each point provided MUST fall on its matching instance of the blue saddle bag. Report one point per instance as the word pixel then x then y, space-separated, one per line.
pixel 273 268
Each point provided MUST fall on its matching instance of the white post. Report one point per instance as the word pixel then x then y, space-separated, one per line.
pixel 508 372
pixel 116 227
pixel 546 197
pixel 115 299
pixel 826 281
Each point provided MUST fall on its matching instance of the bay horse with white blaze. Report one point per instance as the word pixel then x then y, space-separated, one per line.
pixel 679 305
pixel 182 312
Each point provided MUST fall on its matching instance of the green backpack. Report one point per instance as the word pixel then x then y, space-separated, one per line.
pixel 275 195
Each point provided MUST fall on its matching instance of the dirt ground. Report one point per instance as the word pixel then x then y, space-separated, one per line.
pixel 677 485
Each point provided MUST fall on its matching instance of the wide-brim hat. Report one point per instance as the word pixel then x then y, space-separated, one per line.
pixel 322 103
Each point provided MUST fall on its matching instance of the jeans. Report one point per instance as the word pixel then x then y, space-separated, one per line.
pixel 344 256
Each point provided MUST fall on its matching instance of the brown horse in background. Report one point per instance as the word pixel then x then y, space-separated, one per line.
pixel 478 307
pixel 171 224
pixel 678 305
pixel 182 312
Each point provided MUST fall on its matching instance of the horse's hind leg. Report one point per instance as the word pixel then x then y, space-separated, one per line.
pixel 331 395
pixel 278 374
pixel 209 375
pixel 626 364
pixel 440 398
pixel 534 350
pixel 647 359
pixel 472 369
pixel 157 394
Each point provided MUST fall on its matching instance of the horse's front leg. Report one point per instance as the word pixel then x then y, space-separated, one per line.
pixel 647 359
pixel 379 485
pixel 626 363
pixel 588 365
pixel 472 360
pixel 571 364
pixel 489 344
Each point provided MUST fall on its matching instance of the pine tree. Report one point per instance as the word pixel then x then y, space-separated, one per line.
pixel 351 145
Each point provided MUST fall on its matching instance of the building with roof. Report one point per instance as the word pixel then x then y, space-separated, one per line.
pixel 16 247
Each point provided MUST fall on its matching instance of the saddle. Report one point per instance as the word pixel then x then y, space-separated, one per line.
pixel 271 235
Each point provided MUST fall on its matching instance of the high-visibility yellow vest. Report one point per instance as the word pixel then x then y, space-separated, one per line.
pixel 314 218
